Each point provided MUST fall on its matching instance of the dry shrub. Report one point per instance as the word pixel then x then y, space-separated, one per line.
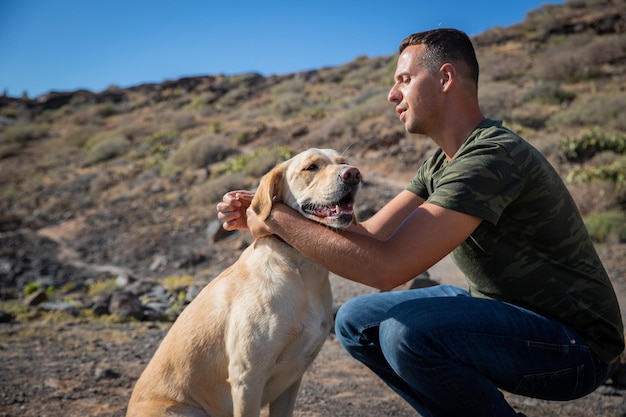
pixel 23 132
pixel 87 115
pixel 596 196
pixel 106 146
pixel 80 135
pixel 371 102
pixel 605 50
pixel 548 93
pixel 214 189
pixel 181 120
pixel 258 166
pixel 200 152
pixel 370 71
pixel 609 226
pixel 288 104
pixel 530 115
pixel 580 56
pixel 600 110
pixel 502 65
pixel 497 99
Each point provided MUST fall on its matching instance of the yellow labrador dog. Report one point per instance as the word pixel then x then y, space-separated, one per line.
pixel 247 338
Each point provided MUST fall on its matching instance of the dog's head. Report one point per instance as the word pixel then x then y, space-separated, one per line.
pixel 317 182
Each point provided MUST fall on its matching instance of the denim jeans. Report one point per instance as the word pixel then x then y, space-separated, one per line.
pixel 447 353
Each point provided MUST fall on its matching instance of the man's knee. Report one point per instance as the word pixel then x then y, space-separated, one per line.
pixel 347 314
pixel 411 331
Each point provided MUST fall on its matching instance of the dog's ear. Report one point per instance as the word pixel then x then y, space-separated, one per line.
pixel 270 190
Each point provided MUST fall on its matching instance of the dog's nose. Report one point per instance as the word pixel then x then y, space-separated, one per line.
pixel 350 175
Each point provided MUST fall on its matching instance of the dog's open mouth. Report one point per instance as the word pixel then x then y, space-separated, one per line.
pixel 340 209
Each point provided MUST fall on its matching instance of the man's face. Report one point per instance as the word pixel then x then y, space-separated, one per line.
pixel 415 92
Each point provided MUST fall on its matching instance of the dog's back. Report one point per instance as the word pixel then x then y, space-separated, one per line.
pixel 263 320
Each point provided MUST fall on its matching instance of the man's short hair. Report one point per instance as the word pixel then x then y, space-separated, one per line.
pixel 444 45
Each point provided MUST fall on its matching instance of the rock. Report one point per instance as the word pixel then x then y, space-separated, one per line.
pixel 192 292
pixel 100 309
pixel 216 232
pixel 140 287
pixel 423 281
pixel 106 373
pixel 125 304
pixel 621 409
pixel 35 298
pixel 158 262
pixel 61 307
pixel 123 280
pixel 159 294
pixel 6 317
pixel 619 375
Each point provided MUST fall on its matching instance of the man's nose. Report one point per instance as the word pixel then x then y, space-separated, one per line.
pixel 394 95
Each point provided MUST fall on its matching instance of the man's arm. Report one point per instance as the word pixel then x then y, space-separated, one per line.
pixel 386 220
pixel 386 251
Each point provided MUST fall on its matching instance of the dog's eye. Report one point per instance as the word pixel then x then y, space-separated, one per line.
pixel 312 167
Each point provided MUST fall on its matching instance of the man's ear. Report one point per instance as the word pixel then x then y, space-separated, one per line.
pixel 270 190
pixel 448 76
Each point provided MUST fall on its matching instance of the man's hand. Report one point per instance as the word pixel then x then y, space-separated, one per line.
pixel 257 227
pixel 232 209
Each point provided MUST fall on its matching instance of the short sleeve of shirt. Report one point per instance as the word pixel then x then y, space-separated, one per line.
pixel 480 180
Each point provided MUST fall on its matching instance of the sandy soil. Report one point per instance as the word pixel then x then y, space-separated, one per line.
pixel 80 368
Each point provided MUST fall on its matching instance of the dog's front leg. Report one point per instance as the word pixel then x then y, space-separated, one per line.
pixel 283 405
pixel 247 395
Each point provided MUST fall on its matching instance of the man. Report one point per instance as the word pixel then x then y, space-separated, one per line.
pixel 540 319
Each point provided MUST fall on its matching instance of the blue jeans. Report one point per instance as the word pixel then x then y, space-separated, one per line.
pixel 447 353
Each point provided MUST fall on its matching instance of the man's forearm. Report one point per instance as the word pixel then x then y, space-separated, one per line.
pixel 345 252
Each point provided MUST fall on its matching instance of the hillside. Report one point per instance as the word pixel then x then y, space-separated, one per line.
pixel 143 166
pixel 103 190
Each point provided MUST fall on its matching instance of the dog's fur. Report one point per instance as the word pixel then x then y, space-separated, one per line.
pixel 247 338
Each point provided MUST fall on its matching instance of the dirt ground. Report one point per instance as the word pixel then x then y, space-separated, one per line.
pixel 81 368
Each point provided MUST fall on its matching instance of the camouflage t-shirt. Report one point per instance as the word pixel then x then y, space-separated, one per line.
pixel 532 248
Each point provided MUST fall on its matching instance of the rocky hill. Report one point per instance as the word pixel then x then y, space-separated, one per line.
pixel 123 182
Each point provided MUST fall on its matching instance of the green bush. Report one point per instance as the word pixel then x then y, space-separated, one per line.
pixel 590 143
pixel 614 172
pixel 244 163
pixel 31 288
pixel 103 287
pixel 607 226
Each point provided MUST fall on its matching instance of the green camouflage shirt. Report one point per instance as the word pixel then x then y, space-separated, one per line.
pixel 532 248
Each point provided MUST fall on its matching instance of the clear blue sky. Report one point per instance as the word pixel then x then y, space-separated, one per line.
pixel 64 45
